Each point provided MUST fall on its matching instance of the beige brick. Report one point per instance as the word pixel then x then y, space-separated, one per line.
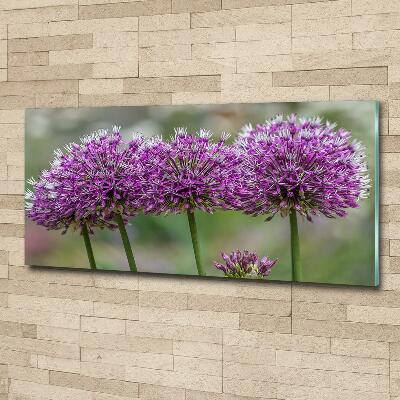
pixel 115 39
pixel 175 379
pixel 331 26
pixel 47 43
pixel 337 77
pixel 331 362
pixel 237 304
pixel 196 98
pixel 265 323
pixel 278 94
pixel 374 315
pixel 50 304
pixel 124 100
pixel 22 4
pixel 374 6
pixel 244 16
pixel 45 392
pixel 40 317
pixel 126 343
pixel 200 350
pixel 99 55
pixel 373 40
pixel 42 73
pixel 346 330
pixel 248 355
pixel 39 87
pixel 199 35
pixel 190 317
pixel 265 64
pixel 197 365
pixel 163 331
pixel 115 70
pixel 195 5
pixel 253 339
pixel 323 43
pixel 247 387
pixel 165 53
pixel 329 9
pixel 319 311
pixel 112 387
pixel 262 31
pixel 119 311
pixel 12 116
pixel 24 59
pixel 124 9
pixel 296 392
pixel 103 325
pixel 359 348
pixel 64 335
pixel 172 84
pixel 151 392
pixel 187 68
pixel 58 364
pixel 16 372
pixel 43 14
pixel 357 92
pixel 145 360
pixel 57 100
pixel 102 370
pixel 278 45
pixel 164 22
pixel 163 300
pixel 116 281
pixel 100 86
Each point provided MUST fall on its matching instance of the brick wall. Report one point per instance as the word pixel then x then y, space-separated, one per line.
pixel 92 336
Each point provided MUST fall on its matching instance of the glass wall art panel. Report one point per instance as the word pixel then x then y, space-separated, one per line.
pixel 271 192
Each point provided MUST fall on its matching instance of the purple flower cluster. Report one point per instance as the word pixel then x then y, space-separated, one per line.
pixel 284 166
pixel 302 165
pixel 89 183
pixel 245 265
pixel 191 172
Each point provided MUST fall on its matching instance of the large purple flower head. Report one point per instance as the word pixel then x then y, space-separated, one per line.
pixel 303 165
pixel 245 265
pixel 190 172
pixel 89 183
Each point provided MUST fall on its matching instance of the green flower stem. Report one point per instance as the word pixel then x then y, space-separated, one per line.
pixel 88 245
pixel 195 242
pixel 126 242
pixel 295 246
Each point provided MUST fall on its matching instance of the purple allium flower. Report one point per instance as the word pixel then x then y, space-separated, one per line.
pixel 303 165
pixel 89 183
pixel 245 265
pixel 190 172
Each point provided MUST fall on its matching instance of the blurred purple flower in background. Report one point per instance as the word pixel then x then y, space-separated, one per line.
pixel 245 265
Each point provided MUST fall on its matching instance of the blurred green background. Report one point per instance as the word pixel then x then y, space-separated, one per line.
pixel 332 250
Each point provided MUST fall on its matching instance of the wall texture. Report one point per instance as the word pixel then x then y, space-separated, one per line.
pixel 92 336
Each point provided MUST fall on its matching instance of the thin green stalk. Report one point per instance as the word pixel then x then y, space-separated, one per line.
pixel 126 243
pixel 295 246
pixel 88 245
pixel 195 242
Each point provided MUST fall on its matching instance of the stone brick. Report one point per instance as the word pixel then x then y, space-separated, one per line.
pixel 51 72
pixel 124 9
pixel 336 77
pixel 164 22
pixel 179 6
pixel 24 59
pixel 46 43
pixel 265 15
pixel 328 9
